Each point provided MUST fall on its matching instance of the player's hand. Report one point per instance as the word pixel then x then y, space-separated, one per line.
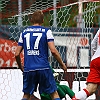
pixel 64 67
pixel 21 68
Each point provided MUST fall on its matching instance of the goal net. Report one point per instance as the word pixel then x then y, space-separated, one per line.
pixel 73 23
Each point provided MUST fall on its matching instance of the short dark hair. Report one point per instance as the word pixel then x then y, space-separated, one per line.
pixel 37 17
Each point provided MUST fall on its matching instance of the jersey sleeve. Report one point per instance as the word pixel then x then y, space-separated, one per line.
pixel 96 41
pixel 20 41
pixel 50 36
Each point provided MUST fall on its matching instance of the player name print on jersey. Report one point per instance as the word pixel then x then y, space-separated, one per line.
pixel 33 52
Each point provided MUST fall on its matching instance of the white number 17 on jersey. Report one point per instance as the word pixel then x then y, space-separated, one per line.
pixel 27 36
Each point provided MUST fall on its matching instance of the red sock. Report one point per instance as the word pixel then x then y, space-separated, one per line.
pixel 88 94
pixel 74 98
pixel 83 94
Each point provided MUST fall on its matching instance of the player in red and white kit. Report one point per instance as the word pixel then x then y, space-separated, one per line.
pixel 93 79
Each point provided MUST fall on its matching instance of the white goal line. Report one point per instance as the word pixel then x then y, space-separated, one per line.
pixel 72 70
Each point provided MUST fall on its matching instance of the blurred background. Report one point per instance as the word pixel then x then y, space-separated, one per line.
pixel 74 23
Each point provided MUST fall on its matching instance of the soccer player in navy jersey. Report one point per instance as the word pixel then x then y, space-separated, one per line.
pixel 36 40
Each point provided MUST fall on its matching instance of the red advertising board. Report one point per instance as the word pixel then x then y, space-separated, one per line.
pixel 7 51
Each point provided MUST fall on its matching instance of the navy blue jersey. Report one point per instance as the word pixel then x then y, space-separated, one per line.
pixel 34 41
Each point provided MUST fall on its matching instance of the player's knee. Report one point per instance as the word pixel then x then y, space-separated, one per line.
pixel 91 87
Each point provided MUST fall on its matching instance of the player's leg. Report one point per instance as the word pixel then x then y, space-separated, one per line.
pixel 93 80
pixel 26 96
pixel 62 91
pixel 45 96
pixel 83 94
pixel 29 85
pixel 55 96
pixel 47 83
pixel 91 88
pixel 66 90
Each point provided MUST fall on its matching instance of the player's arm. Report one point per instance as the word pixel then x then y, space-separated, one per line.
pixel 18 51
pixel 56 54
pixel 17 57
pixel 53 49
